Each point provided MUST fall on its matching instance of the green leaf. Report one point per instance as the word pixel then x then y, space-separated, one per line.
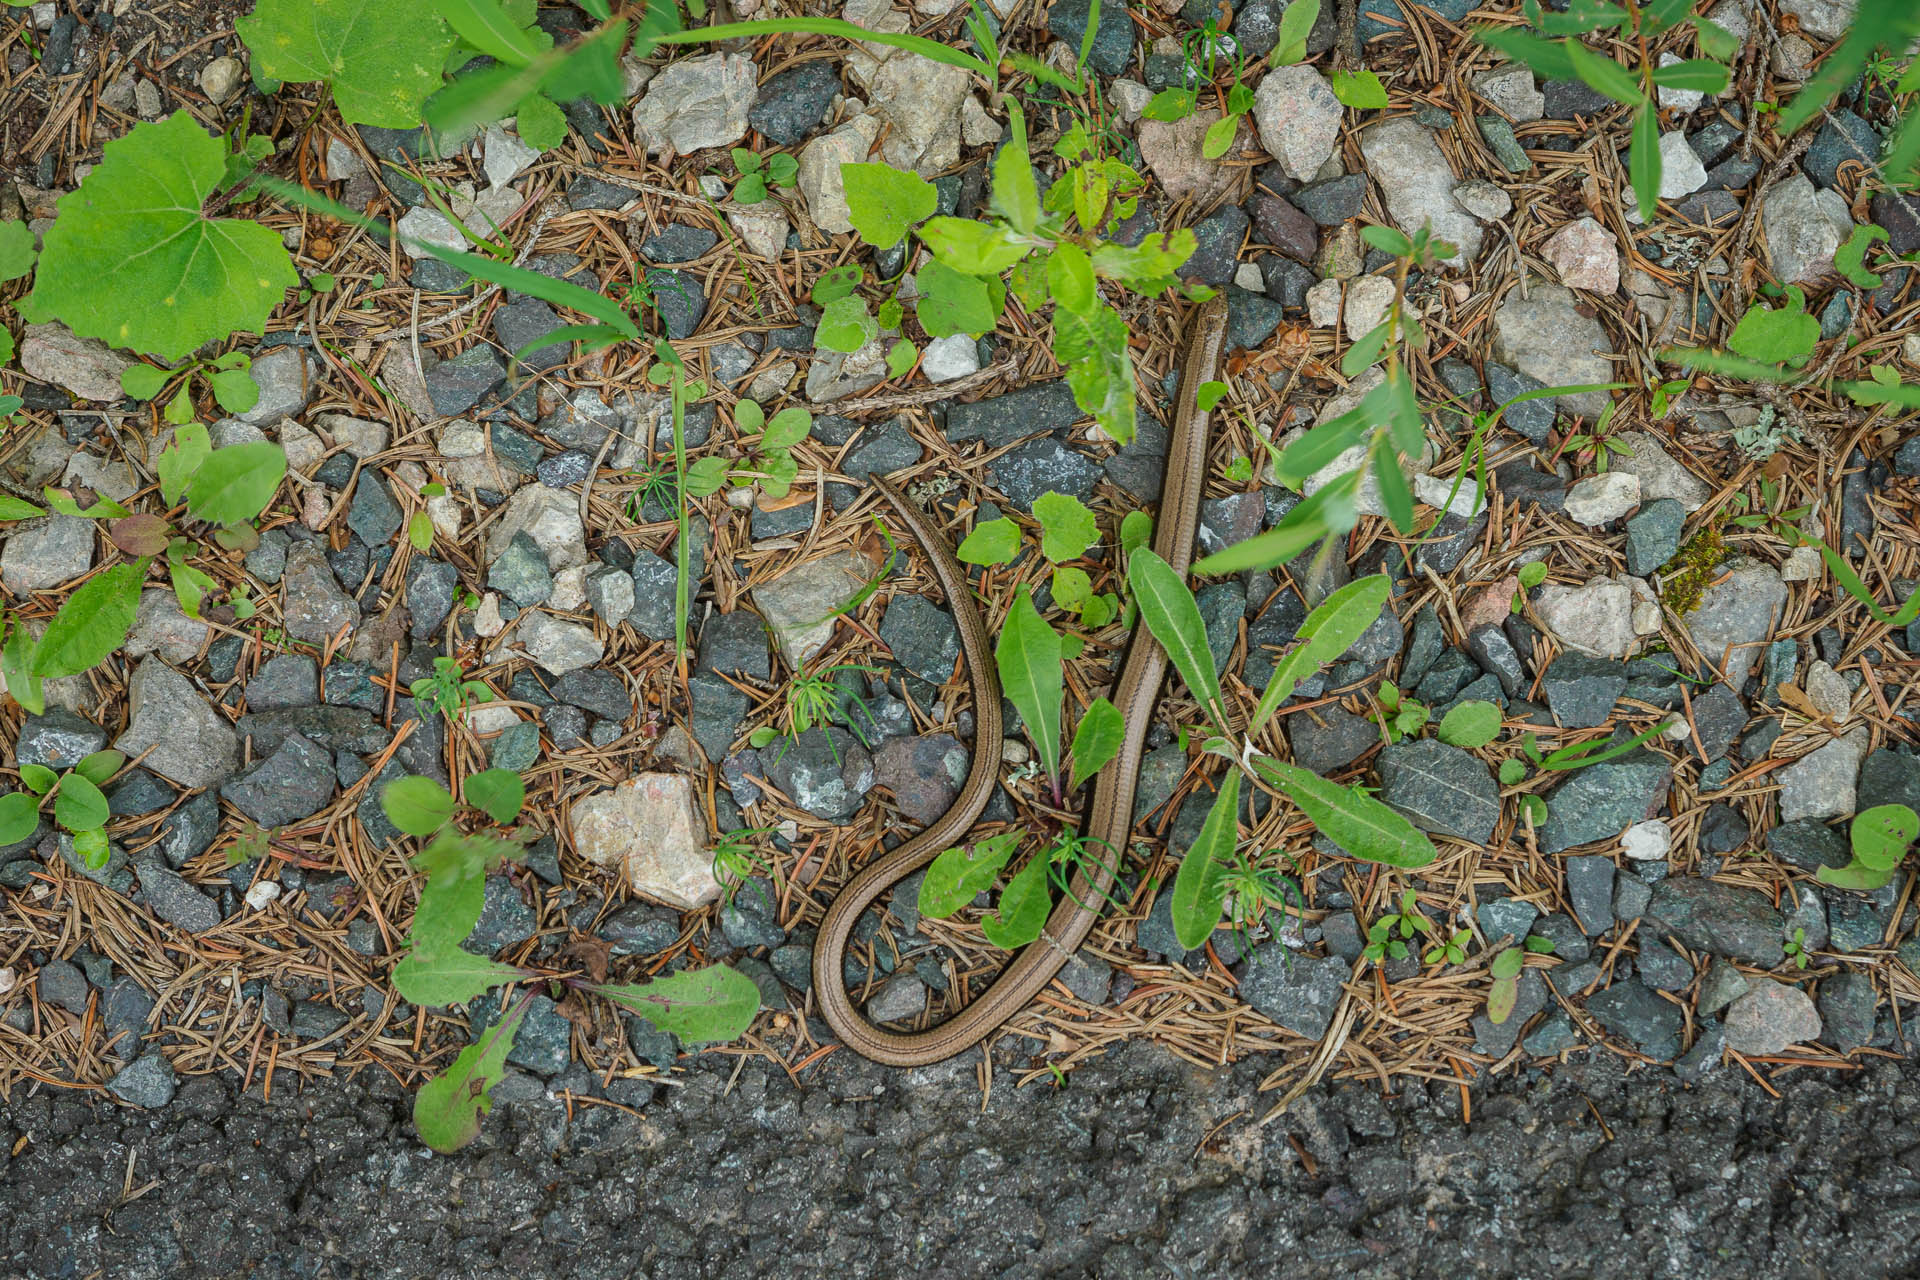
pixel 1221 132
pixel 19 817
pixel 1885 388
pixel 1171 614
pixel 751 189
pixel 1512 772
pixel 92 623
pixel 1697 74
pixel 1773 336
pixel 1881 834
pixel 882 201
pixel 499 792
pixel 900 358
pixel 1532 574
pixel 1509 963
pixel 1028 658
pixel 1545 58
pixel 835 283
pixel 1856 876
pixel 1360 90
pixel 1096 739
pixel 1070 277
pixel 706 476
pixel 786 429
pixel 1395 497
pixel 12 508
pixel 236 483
pixel 420 531
pixel 1296 24
pixel 1643 161
pixel 1016 197
pixel 540 124
pixel 1355 821
pixel 1329 631
pixel 100 766
pixel 972 248
pixel 991 542
pixel 183 457
pixel 1470 724
pixel 1362 355
pixel 1387 240
pixel 131 259
pixel 143 381
pixel 1503 995
pixel 381 70
pixel 485 25
pixel 698 1005
pixel 1879 23
pixel 1200 886
pixel 449 976
pixel 845 326
pixel 78 805
pixel 92 847
pixel 1604 75
pixel 1850 258
pixel 447 1109
pixel 16 249
pixel 1136 531
pixel 16 667
pixel 1715 40
pixel 418 806
pixel 958 875
pixel 1071 588
pixel 1067 528
pixel 1023 908
pixel 933 49
pixel 951 302
pixel 749 417
pixel 234 389
pixel 1148 266
pixel 39 779
pixel 1092 346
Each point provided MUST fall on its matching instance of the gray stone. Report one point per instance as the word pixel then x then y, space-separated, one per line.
pixel 696 103
pixel 1653 536
pixel 124 1014
pixel 1820 784
pixel 373 514
pixel 505 920
pixel 824 771
pixel 456 385
pixel 189 831
pixel 1602 800
pixel 654 585
pixel 1663 968
pixel 1887 777
pixel 1718 715
pixel 313 607
pixel 41 554
pixel 1327 739
pixel 285 381
pixel 899 999
pixel 1001 420
pixel 1770 1017
pixel 791 106
pixel 1417 183
pixel 1506 917
pixel 1440 789
pixel 1630 897
pixel 1629 1010
pixel 1722 985
pixel 1808 845
pixel 293 783
pixel 431 586
pixel 1802 227
pixel 1581 690
pixel 1555 1035
pixel 922 637
pixel 1590 892
pixel 186 741
pixel 58 740
pixel 1545 336
pixel 1028 470
pixel 595 689
pixel 63 985
pixel 148 1081
pixel 1299 993
pixel 1496 1039
pixel 736 644
pixel 1112 45
pixel 520 572
pixel 174 900
pixel 1846 1009
pixel 717 711
pixel 1729 921
pixel 289 680
pixel 924 773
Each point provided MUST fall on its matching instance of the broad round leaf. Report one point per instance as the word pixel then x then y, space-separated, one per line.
pixel 381 64
pixel 1067 528
pixel 418 806
pixel 92 847
pixel 19 817
pixel 143 381
pixel 991 542
pixel 499 792
pixel 140 534
pixel 235 484
pixel 78 805
pixel 1470 724
pixel 38 778
pixel 132 260
pixel 100 766
pixel 845 326
pixel 882 201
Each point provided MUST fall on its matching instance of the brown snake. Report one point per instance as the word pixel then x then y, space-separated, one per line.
pixel 1109 819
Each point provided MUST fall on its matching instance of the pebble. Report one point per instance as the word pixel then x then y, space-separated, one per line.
pixel 650 829
pixel 1417 183
pixel 1596 618
pixel 148 1081
pixel 1586 255
pixel 1483 200
pixel 1648 841
pixel 1581 690
pixel 1441 789
pixel 1298 118
pixel 1653 535
pixel 1297 992
pixel 798 604
pixel 1546 336
pixel 1770 1017
pixel 1735 616
pixel 221 77
pixel 1803 226
pixel 1821 784
pixel 696 103
pixel 1601 801
pixel 1601 499
pixel 1509 89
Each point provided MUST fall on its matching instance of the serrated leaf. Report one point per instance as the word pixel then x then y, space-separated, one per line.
pixel 1850 258
pixel 131 259
pixel 952 302
pixel 1358 823
pixel 1023 908
pixel 959 874
pixel 92 623
pixel 1067 528
pixel 845 326
pixel 19 817
pixel 1200 886
pixel 1776 335
pixel 1028 658
pixel 499 792
pixel 991 542
pixel 78 805
pixel 381 70
pixel 1096 739
pixel 447 1109
pixel 418 806
pixel 1092 346
pixel 1171 614
pixel 883 202
pixel 1470 724
pixel 698 1005
pixel 236 483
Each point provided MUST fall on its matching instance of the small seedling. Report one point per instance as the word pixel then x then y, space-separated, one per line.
pixel 79 808
pixel 758 172
pixel 1389 935
pixel 447 690
pixel 1796 948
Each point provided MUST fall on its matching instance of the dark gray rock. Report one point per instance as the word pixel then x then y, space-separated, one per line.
pixel 1845 139
pixel 1506 917
pixel 289 680
pixel 1846 1005
pixel 1216 253
pixel 1581 689
pixel 791 105
pixel 1001 420
pixel 1495 653
pixel 335 728
pixel 1531 418
pixel 678 242
pixel 1663 968
pixel 1718 715
pixel 1327 739
pixel 431 586
pixel 735 644
pixel 595 689
pixel 124 1015
pixel 921 636
pixel 1653 535
pixel 174 900
pixel 293 783
pixel 505 920
pixel 1602 800
pixel 654 584
pixel 1723 829
pixel 678 300
pixel 456 385
pixel 1590 892
pixel 1440 789
pixel 924 773
pixel 148 1081
pixel 1112 39
pixel 137 794
pixel 58 740
pixel 1705 915
pixel 1451 672
pixel 1028 470
pixel 824 771
pixel 1809 845
pixel 1887 777
pixel 189 830
pixel 1299 993
pixel 1651 1024
pixel 63 985
pixel 718 710
pixel 520 572
pixel 1334 201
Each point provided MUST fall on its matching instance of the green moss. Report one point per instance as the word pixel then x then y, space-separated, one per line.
pixel 1691 569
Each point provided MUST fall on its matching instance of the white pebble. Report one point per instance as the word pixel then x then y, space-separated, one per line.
pixel 261 894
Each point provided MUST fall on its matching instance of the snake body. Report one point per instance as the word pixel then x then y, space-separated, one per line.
pixel 1109 822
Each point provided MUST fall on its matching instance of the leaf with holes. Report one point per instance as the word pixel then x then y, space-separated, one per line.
pixel 133 261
